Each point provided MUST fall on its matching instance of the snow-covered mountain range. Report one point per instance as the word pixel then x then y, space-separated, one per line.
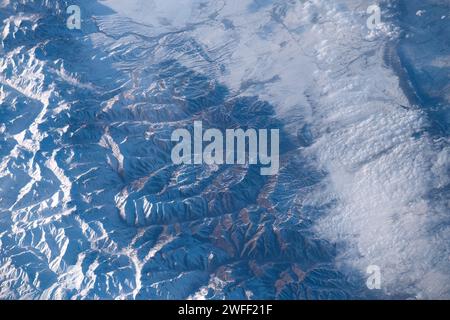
pixel 92 207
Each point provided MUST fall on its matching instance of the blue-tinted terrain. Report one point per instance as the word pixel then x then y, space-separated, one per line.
pixel 92 206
